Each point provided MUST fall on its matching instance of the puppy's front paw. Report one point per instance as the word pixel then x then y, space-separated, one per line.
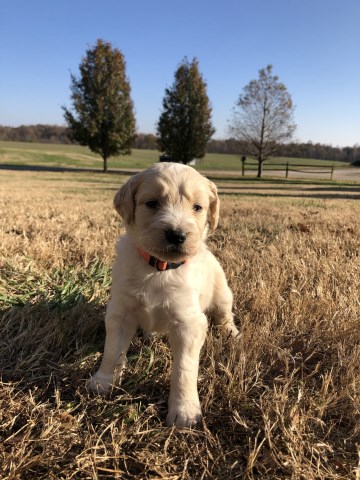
pixel 184 415
pixel 100 384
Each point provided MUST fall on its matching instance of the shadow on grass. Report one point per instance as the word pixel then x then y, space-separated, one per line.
pixel 48 375
pixel 40 339
pixel 48 168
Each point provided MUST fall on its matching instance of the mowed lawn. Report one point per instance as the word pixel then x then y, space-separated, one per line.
pixel 282 402
pixel 78 156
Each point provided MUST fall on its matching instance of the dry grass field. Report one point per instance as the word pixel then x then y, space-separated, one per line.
pixel 283 402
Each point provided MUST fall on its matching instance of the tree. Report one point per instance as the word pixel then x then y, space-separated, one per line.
pixel 103 117
pixel 184 127
pixel 263 116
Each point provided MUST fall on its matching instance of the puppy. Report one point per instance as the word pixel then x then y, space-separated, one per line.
pixel 165 278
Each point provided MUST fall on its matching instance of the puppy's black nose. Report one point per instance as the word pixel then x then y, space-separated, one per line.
pixel 175 237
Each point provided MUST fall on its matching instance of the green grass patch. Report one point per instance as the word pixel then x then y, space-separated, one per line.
pixel 58 289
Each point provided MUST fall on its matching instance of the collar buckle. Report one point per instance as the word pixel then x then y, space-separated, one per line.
pixel 160 265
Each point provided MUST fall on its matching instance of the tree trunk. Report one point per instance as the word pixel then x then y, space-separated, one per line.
pixel 259 168
pixel 105 158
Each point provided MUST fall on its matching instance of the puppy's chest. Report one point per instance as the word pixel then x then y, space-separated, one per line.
pixel 156 300
pixel 157 290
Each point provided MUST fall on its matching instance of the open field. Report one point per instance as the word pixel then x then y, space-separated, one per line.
pixel 77 156
pixel 281 403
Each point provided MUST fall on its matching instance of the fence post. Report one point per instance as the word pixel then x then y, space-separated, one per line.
pixel 287 169
pixel 332 172
pixel 243 160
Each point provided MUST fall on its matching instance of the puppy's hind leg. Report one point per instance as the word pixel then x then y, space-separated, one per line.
pixel 119 333
pixel 222 307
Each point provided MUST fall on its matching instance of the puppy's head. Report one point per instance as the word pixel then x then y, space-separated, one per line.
pixel 167 208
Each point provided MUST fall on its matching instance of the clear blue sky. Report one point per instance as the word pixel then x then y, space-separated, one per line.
pixel 314 46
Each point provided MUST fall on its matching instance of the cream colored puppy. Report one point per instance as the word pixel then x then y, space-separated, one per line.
pixel 165 278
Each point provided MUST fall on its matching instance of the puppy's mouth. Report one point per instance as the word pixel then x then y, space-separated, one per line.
pixel 172 248
pixel 170 245
pixel 171 253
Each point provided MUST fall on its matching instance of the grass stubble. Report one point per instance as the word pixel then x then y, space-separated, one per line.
pixel 283 402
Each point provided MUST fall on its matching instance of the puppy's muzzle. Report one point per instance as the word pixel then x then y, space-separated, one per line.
pixel 175 237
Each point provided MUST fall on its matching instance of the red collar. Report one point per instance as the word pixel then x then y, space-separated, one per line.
pixel 159 264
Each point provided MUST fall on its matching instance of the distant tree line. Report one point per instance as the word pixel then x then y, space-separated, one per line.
pixel 35 133
pixel 295 150
pixel 147 141
pixel 59 134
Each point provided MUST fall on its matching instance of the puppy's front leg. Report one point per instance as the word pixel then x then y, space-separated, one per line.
pixel 119 333
pixel 186 340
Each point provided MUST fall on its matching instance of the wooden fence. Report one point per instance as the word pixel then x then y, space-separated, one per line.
pixel 295 167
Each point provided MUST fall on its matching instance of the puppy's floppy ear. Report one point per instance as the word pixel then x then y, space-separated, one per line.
pixel 214 205
pixel 124 200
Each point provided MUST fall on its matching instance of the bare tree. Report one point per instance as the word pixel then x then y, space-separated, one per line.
pixel 263 116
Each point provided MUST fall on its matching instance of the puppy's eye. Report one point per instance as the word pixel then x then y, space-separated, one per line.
pixel 152 204
pixel 197 207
